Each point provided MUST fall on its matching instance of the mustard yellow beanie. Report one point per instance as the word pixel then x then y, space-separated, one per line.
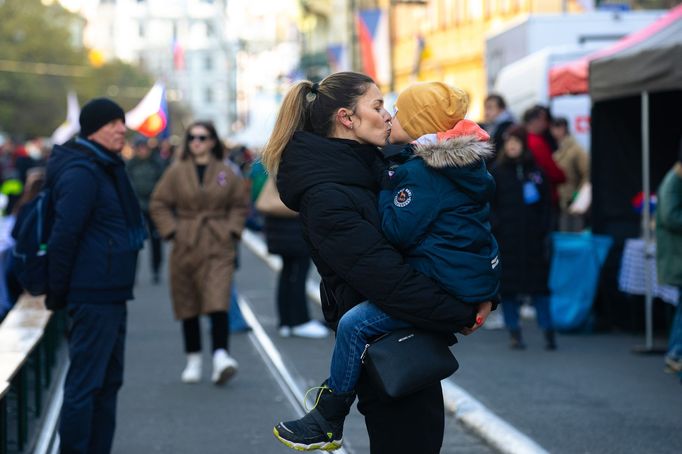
pixel 430 107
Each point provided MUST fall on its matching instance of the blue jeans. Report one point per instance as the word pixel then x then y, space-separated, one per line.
pixel 675 340
pixel 510 309
pixel 356 327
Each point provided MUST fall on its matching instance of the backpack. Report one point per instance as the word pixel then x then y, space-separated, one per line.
pixel 31 233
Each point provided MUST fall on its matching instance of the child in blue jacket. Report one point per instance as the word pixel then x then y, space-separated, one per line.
pixel 434 209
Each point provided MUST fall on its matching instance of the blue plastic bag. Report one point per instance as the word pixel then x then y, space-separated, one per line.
pixel 576 262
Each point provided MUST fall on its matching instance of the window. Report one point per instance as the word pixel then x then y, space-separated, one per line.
pixel 208 63
pixel 208 95
pixel 140 29
pixel 461 14
pixel 449 12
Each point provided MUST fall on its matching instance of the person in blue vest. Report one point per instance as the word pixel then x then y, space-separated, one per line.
pixel 97 232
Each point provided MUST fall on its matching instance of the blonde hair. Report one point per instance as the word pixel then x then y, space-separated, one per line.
pixel 291 118
pixel 305 109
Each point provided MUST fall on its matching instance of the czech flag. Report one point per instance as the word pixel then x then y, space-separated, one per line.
pixel 150 116
pixel 372 25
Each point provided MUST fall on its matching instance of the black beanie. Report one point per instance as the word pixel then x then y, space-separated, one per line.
pixel 97 113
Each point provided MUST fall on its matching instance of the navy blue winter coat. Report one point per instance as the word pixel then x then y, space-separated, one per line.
pixel 437 214
pixel 90 258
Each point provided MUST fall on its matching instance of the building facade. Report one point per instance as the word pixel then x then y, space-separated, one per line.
pixel 183 43
pixel 445 39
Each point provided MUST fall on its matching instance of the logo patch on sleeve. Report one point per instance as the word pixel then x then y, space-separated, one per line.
pixel 402 198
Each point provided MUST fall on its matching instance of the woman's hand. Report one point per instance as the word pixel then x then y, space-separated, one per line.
pixel 484 310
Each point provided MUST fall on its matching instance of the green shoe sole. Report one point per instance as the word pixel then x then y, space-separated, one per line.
pixel 322 446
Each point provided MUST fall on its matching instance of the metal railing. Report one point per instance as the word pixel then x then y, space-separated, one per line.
pixel 29 338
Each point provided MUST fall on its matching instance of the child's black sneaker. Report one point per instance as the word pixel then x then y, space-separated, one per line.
pixel 322 427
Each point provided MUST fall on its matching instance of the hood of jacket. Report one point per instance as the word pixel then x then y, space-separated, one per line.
pixel 76 152
pixel 461 160
pixel 310 159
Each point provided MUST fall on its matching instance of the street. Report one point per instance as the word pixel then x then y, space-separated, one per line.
pixel 590 396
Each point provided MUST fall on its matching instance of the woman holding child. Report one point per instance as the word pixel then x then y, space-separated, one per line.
pixel 324 152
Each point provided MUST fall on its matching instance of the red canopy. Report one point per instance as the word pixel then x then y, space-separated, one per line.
pixel 572 78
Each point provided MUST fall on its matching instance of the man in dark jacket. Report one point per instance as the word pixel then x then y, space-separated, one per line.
pixel 93 246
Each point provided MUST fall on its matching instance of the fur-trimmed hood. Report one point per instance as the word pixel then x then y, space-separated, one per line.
pixel 460 151
pixel 462 161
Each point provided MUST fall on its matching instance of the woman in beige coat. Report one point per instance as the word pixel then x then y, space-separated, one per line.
pixel 201 204
pixel 574 161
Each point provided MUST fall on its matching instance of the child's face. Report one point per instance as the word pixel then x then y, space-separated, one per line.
pixel 513 147
pixel 398 134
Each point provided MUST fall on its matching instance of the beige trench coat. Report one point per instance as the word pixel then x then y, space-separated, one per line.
pixel 205 222
pixel 575 163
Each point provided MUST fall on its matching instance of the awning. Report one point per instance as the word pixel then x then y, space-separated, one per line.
pixel 574 77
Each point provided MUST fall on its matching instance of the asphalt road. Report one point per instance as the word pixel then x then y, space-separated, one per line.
pixel 590 396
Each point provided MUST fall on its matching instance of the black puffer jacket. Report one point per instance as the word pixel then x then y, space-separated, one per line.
pixel 284 236
pixel 522 229
pixel 332 183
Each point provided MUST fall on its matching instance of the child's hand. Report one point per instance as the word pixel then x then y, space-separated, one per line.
pixel 484 310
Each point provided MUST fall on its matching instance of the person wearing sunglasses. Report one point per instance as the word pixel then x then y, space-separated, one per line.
pixel 201 205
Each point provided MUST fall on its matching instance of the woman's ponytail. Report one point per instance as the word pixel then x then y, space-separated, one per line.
pixel 291 118
pixel 312 107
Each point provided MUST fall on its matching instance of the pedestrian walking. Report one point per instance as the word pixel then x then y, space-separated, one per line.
pixel 284 237
pixel 97 232
pixel 435 208
pixel 324 153
pixel 145 171
pixel 669 251
pixel 201 205
pixel 520 219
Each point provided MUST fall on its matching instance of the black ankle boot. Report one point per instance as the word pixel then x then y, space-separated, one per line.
pixel 322 427
pixel 550 340
pixel 516 341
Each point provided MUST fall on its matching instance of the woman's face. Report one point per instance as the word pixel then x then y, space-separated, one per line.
pixel 200 141
pixel 398 134
pixel 371 122
pixel 558 132
pixel 513 148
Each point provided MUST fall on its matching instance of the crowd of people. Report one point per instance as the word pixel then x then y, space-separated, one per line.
pixel 443 220
pixel 539 169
